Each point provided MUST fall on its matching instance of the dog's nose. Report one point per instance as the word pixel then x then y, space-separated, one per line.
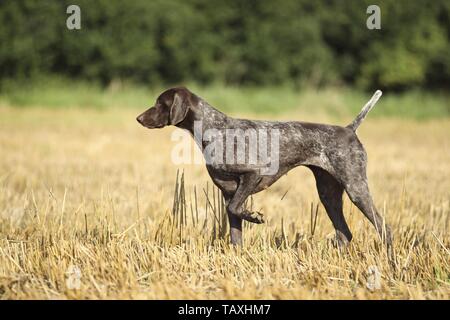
pixel 140 119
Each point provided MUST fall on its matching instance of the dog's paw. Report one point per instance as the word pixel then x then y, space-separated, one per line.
pixel 254 217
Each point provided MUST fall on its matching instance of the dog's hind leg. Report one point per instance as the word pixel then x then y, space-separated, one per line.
pixel 358 192
pixel 330 194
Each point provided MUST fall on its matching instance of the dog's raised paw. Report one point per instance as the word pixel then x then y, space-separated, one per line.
pixel 254 217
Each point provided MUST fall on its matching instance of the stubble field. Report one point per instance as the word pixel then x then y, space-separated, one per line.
pixel 87 211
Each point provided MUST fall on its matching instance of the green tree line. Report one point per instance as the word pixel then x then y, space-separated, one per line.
pixel 239 42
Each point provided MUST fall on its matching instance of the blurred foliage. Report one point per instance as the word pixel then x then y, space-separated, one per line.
pixel 295 42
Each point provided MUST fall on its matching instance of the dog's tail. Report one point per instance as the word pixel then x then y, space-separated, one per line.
pixel 369 105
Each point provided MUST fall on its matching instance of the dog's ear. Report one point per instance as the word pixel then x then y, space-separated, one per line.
pixel 179 109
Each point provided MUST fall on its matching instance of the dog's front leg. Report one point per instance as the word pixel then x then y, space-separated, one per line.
pixel 235 229
pixel 248 183
pixel 235 223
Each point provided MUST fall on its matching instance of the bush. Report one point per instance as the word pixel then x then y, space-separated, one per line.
pixel 236 42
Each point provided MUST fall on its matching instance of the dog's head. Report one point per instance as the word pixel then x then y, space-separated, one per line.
pixel 171 108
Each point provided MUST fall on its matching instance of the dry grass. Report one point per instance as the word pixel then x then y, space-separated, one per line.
pixel 92 189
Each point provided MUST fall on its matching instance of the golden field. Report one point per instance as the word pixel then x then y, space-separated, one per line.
pixel 93 191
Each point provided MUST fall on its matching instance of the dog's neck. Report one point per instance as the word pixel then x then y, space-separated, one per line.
pixel 202 117
pixel 202 114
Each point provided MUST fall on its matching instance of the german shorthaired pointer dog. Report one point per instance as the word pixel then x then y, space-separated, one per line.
pixel 333 153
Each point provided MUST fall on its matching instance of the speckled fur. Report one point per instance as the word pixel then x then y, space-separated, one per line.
pixel 333 153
